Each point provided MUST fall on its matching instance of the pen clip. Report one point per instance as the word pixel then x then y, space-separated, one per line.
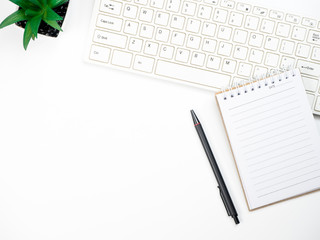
pixel 224 201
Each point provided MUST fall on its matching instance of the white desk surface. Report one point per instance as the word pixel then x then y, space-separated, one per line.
pixel 92 153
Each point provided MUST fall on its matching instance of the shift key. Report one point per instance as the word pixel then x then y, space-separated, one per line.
pixel 111 39
pixel 309 68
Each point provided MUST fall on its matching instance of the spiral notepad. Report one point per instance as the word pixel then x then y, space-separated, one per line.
pixel 273 137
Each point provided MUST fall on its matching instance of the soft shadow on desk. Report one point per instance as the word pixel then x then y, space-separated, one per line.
pixel 317 118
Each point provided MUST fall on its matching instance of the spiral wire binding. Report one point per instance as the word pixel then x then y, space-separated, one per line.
pixel 255 82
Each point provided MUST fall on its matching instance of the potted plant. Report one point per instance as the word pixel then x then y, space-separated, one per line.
pixel 38 16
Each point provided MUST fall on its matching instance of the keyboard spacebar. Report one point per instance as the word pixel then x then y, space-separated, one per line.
pixel 192 75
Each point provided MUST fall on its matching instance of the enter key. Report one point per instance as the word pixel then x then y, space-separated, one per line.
pixel 309 68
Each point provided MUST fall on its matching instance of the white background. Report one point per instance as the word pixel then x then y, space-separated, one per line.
pixel 92 153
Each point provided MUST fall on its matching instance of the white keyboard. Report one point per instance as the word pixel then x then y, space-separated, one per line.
pixel 208 43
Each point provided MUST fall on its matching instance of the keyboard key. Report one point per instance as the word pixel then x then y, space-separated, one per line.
pixel 166 51
pixel 144 64
pixel 256 56
pixel 271 60
pixel 111 39
pixel 151 48
pixel 193 25
pixel 204 12
pixel 317 105
pixel 213 62
pixel 110 6
pixel 162 34
pixel 146 15
pixel 309 68
pixel 157 3
pixel 292 18
pixel 262 12
pixel 220 15
pixel 198 59
pixel 311 98
pixel 227 4
pixel 314 37
pixel 236 19
pixel 309 22
pixel 283 30
pixel 162 18
pixel 178 38
pixel 146 31
pixel 135 44
pixel 276 15
pixel 245 69
pixel 240 36
pixel 246 8
pixel 131 27
pixel 310 84
pixel 225 49
pixel 182 55
pixel 100 54
pixel 240 52
pixel 193 41
pixel 209 29
pixel 256 40
pixel 109 22
pixel 299 33
pixel 271 43
pixel 315 54
pixel 260 72
pixel 189 8
pixel 287 62
pixel 121 59
pixel 209 45
pixel 189 74
pixel 224 32
pixel 303 50
pixel 173 5
pixel 287 47
pixel 130 11
pixel 252 23
pixel 177 22
pixel 267 26
pixel 229 66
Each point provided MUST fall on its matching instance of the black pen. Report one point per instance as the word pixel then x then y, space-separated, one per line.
pixel 221 184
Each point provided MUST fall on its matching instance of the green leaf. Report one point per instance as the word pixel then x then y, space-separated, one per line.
pixel 53 24
pixel 13 18
pixel 43 2
pixel 32 13
pixel 27 35
pixel 36 2
pixel 56 3
pixel 21 3
pixel 51 15
pixel 35 23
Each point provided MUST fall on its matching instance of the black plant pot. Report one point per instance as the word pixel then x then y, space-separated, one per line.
pixel 44 28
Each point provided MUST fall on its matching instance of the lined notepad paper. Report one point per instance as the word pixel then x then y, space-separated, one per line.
pixel 273 137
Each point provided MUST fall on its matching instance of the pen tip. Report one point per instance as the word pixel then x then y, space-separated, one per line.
pixel 236 220
pixel 194 117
